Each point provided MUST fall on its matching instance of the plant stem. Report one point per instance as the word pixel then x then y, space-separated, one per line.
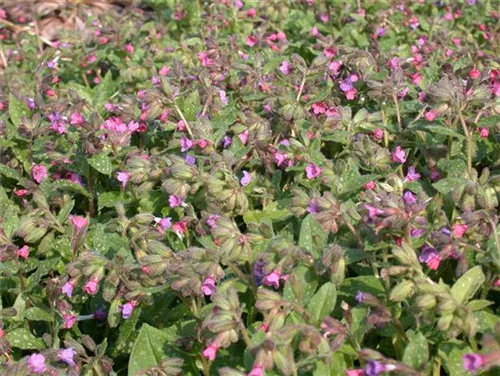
pixel 91 194
pixel 244 333
pixel 468 138
pixel 188 128
pixel 398 114
pixel 301 86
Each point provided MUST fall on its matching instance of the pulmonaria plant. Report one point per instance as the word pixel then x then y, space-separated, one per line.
pixel 230 187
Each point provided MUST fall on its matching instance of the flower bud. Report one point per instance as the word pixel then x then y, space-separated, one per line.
pixel 426 302
pixel 401 291
pixel 446 305
pixel 444 322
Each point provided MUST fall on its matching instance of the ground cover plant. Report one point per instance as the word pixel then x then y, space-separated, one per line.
pixel 250 188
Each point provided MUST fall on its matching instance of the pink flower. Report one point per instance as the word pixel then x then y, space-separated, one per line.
pixel 373 211
pixel 378 134
pixel 251 40
pixel 257 370
pixel 496 88
pixel 497 283
pixel 129 48
pixel 335 66
pixel 123 177
pixel 78 222
pixel 434 175
pixel 211 351
pixel 164 71
pixel 202 143
pixel 394 63
pixel 244 137
pixel 67 288
pixel 286 68
pixel 251 12
pixel 370 185
pixel 272 279
pixel 312 171
pixel 180 228
pixel 484 132
pixel 412 174
pixel 459 230
pixel 330 52
pixel 208 286
pixel 473 362
pixel 181 127
pixel 319 108
pixel 474 73
pixel 76 119
pixel 416 78
pixel 91 286
pixel 69 320
pixel 163 224
pixel 351 94
pixel 204 59
pixel 246 179
pixel 399 155
pixel 175 201
pixel 430 115
pixel 36 364
pixel 39 173
pixel 127 309
pixel 314 31
pixel 355 372
pixel 23 252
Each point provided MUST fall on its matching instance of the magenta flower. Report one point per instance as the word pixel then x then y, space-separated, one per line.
pixel 430 257
pixel 67 288
pixel 370 186
pixel 355 372
pixel 67 356
pixel 412 174
pixel 129 48
pixel 312 171
pixel 360 297
pixel 399 155
pixel 286 68
pixel 36 363
pixel 430 115
pixel 251 41
pixel 123 177
pixel 212 221
pixel 76 118
pixel 378 134
pixel 164 71
pixel 394 63
pixel 409 198
pixel 257 370
pixel 39 173
pixel 69 320
pixel 373 211
pixel 246 179
pixel 91 286
pixel 244 137
pixel 272 279
pixel 484 132
pixel 208 286
pixel 318 108
pixel 175 201
pixel 180 228
pixel 210 352
pixel 374 368
pixel 23 252
pixel 79 223
pixel 313 207
pixel 127 309
pixel 473 362
pixel 227 141
pixel 459 230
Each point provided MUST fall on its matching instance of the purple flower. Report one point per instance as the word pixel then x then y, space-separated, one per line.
pixel 472 362
pixel 227 141
pixel 445 231
pixel 208 286
pixel 313 207
pixel 258 272
pixel 223 97
pixel 427 253
pixel 39 173
pixel 36 363
pixel 285 68
pixel 190 160
pixel 399 155
pixel 373 211
pixel 374 368
pixel 175 201
pixel 100 314
pixel 380 31
pixel 360 296
pixel 312 171
pixel 67 356
pixel 412 174
pixel 123 177
pixel 346 85
pixel 163 223
pixel 246 179
pixel 127 309
pixel 416 233
pixel 212 220
pixel 67 288
pixel 409 198
pixel 30 102
pixel 186 144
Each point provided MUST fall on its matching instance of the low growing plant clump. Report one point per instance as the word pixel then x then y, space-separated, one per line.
pixel 251 188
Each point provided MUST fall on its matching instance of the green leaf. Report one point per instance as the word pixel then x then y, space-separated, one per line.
pixel 104 90
pixel 467 285
pixel 126 337
pixel 150 348
pixel 109 199
pixel 17 109
pixel 486 322
pixel 9 172
pixel 323 302
pixel 359 324
pixel 38 314
pixel 191 105
pixel 304 289
pixel 477 305
pixel 278 210
pixel 66 185
pixel 452 352
pixel 447 185
pixel 312 236
pixel 417 351
pixel 24 340
pixel 65 210
pixel 102 163
pixel 439 129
